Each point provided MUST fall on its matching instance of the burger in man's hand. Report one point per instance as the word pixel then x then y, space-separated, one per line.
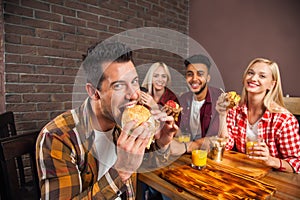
pixel 141 114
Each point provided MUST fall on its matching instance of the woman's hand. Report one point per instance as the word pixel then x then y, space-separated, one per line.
pixel 147 99
pixel 172 111
pixel 167 130
pixel 222 104
pixel 260 151
pixel 221 107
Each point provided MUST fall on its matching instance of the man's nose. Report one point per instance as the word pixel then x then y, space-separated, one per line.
pixel 195 76
pixel 132 93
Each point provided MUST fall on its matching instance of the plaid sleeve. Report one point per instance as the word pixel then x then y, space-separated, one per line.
pixel 66 173
pixel 289 142
pixel 58 173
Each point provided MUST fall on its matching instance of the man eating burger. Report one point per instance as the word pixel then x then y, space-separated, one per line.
pixel 86 153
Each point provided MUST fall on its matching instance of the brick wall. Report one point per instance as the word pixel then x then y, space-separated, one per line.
pixel 2 95
pixel 45 40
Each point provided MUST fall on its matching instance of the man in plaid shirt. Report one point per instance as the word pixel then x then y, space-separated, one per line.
pixel 83 153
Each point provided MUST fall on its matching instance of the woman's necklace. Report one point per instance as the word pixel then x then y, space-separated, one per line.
pixel 252 126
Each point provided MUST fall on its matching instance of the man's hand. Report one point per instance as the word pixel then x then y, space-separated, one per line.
pixel 132 143
pixel 131 146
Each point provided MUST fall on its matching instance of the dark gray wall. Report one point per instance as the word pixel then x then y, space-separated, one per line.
pixel 234 32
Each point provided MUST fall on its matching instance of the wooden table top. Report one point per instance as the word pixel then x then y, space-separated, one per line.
pixel 286 185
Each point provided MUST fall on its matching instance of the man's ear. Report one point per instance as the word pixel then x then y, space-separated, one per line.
pixel 92 92
pixel 208 78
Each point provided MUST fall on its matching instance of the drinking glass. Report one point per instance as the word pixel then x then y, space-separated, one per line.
pixel 184 137
pixel 199 158
pixel 250 144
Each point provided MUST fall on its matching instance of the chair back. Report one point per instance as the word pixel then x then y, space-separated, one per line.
pixel 15 147
pixel 293 105
pixel 8 129
pixel 7 124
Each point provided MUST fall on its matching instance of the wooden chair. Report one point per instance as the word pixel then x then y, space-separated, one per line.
pixel 293 105
pixel 11 148
pixel 7 124
pixel 8 129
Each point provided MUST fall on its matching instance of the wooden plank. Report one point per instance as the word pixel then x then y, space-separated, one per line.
pixel 213 183
pixel 286 184
pixel 242 164
pixel 165 187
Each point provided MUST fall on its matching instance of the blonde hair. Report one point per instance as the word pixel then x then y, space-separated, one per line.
pixel 274 95
pixel 147 83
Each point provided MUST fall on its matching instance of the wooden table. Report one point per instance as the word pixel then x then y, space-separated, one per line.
pixel 287 184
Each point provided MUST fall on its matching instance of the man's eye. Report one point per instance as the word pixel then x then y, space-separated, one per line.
pixel 118 86
pixel 200 74
pixel 189 74
pixel 135 82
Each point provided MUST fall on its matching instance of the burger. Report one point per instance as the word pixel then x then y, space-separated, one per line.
pixel 141 114
pixel 172 104
pixel 174 107
pixel 233 98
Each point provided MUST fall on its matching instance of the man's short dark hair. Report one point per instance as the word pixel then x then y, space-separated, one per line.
pixel 199 58
pixel 100 53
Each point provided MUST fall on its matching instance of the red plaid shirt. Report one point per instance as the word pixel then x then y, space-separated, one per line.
pixel 280 131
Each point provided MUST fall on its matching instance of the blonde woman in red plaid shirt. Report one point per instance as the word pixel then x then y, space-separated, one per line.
pixel 262 114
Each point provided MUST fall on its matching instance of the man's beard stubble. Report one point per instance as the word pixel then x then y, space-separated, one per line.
pixel 201 89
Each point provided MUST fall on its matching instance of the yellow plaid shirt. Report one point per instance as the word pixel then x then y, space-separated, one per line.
pixel 66 164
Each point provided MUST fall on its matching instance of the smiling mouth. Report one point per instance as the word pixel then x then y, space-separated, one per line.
pixel 159 84
pixel 195 85
pixel 251 84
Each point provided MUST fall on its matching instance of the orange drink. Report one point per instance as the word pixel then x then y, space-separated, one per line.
pixel 184 138
pixel 251 143
pixel 249 146
pixel 199 158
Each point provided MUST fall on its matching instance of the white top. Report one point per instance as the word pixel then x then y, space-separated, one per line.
pixel 195 123
pixel 252 130
pixel 105 151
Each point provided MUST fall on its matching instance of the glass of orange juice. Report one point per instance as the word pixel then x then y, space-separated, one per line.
pixel 184 137
pixel 251 142
pixel 199 158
